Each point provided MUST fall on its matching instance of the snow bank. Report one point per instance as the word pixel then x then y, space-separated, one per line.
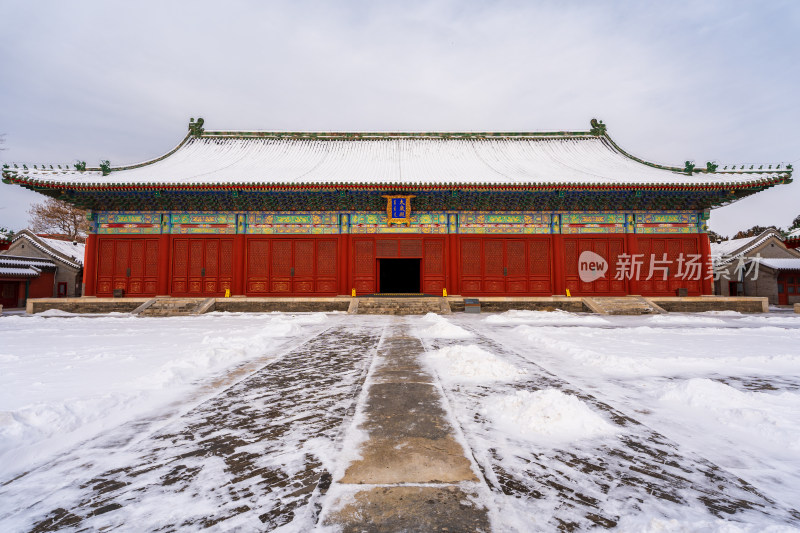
pixel 441 328
pixel 695 523
pixel 471 363
pixel 684 320
pixel 653 351
pixel 64 380
pixel 548 415
pixel 557 317
pixel 767 421
pixel 771 320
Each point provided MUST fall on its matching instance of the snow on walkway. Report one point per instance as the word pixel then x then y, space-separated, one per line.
pixel 249 457
pixel 654 424
pixel 561 456
pixel 65 379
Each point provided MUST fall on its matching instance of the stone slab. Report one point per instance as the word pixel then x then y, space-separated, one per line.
pixel 700 304
pixel 409 460
pixel 405 410
pixel 411 509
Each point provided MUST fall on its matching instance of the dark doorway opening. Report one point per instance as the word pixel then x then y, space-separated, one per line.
pixel 399 275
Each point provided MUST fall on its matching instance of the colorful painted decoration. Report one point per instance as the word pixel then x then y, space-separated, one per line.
pixel 398 209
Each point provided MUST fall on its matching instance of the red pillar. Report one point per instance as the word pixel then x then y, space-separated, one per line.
pixel 453 280
pixel 90 266
pixel 345 281
pixel 559 274
pixel 163 285
pixel 239 245
pixel 705 251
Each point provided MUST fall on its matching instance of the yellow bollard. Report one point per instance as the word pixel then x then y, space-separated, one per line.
pixel 353 293
pixel 568 294
pixel 227 293
pixel 444 292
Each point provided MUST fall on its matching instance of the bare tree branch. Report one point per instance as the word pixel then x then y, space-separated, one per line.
pixel 57 217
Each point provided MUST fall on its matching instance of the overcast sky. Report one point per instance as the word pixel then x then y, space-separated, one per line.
pixel 701 80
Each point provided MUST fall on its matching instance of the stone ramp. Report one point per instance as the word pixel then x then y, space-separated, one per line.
pixel 175 307
pixel 622 305
pixel 410 442
pixel 246 459
pixel 405 305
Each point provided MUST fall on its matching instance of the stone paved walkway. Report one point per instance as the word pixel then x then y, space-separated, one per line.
pixel 418 475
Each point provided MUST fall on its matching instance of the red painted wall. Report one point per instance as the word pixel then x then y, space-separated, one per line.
pixel 327 265
pixel 41 287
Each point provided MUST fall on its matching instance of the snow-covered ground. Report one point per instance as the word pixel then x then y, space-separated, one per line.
pixel 65 378
pixel 724 387
pixel 680 422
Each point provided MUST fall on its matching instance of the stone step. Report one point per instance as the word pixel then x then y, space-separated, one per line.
pixel 399 306
pixel 178 307
pixel 627 305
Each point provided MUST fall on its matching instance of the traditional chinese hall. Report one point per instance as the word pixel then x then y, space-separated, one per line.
pixel 323 214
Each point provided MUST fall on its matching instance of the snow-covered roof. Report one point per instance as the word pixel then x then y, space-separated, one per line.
pixel 18 261
pixel 734 248
pixel 794 234
pixel 782 263
pixel 25 272
pixel 23 267
pixel 67 252
pixel 224 159
pixel 70 249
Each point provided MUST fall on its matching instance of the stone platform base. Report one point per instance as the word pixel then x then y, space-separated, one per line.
pixel 490 304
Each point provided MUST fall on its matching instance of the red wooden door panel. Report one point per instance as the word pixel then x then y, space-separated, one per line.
pixel 679 252
pixel 225 279
pixel 364 266
pixel 471 260
pixel 281 260
pixel 127 264
pixel 105 267
pixel 327 260
pixel 196 268
pixel 201 266
pixel 121 264
pixel 150 278
pixel 303 266
pixel 515 266
pixel 539 280
pixel 433 266
pixel 257 266
pixel 211 266
pixel 180 266
pixel 493 265
pixel 609 248
pixel 136 280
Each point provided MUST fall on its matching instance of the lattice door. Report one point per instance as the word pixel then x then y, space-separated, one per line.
pixel 471 255
pixel 539 280
pixel 303 266
pixel 281 260
pixel 493 266
pixel 433 266
pixel 258 266
pixel 364 266
pixel 326 259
